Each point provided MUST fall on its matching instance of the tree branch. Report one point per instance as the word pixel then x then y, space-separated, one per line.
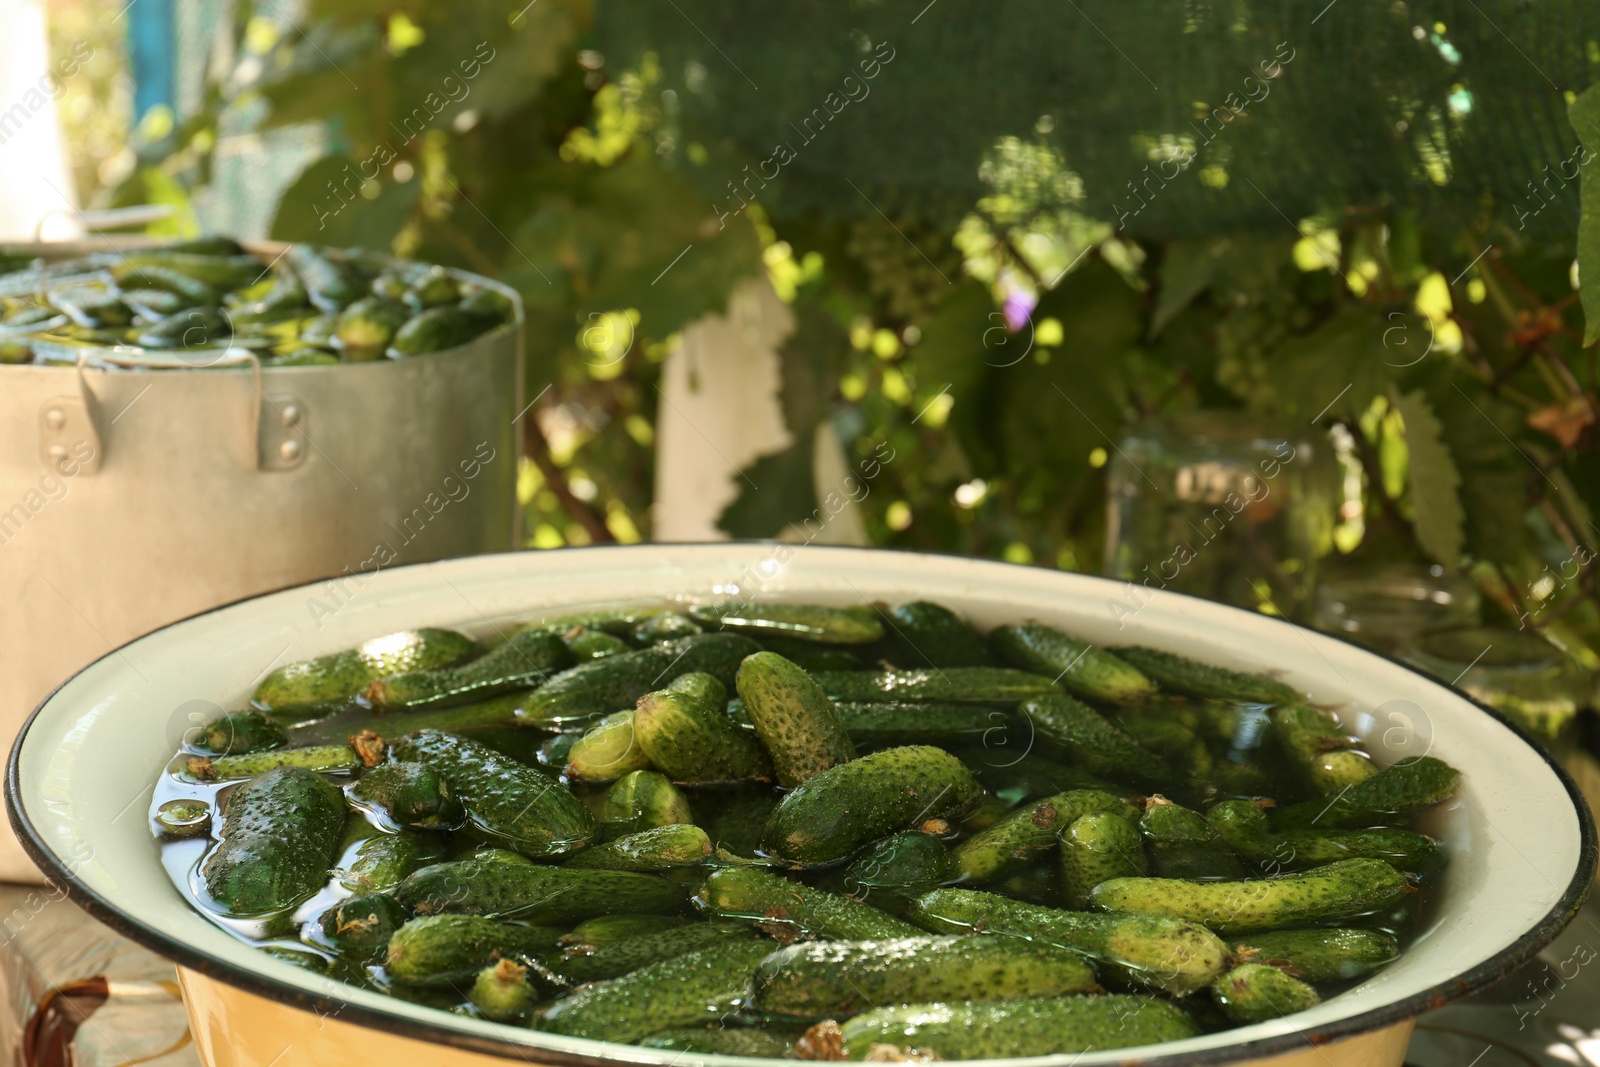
pixel 538 449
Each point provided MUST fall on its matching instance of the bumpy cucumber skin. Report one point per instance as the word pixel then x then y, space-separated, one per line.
pixel 843 808
pixel 444 949
pixel 617 682
pixel 889 723
pixel 641 801
pixel 697 988
pixel 953 685
pixel 507 802
pixel 1157 952
pixel 1181 844
pixel 720 1042
pixel 1331 954
pixel 526 659
pixel 1095 742
pixel 501 992
pixel 800 622
pixel 1336 891
pixel 793 717
pixel 534 892
pixel 362 925
pixel 835 979
pixel 1184 675
pixel 1255 993
pixel 657 849
pixel 931 635
pixel 239 731
pixel 1025 834
pixel 330 681
pixel 693 742
pixel 735 821
pixel 1244 827
pixel 410 795
pixel 383 861
pixel 605 929
pixel 1003 1029
pixel 370 322
pixel 483 714
pixel 668 626
pixel 901 866
pixel 585 963
pixel 279 835
pixel 1319 749
pixel 814 657
pixel 609 750
pixel 701 687
pixel 323 758
pixel 746 893
pixel 1077 665
pixel 1407 786
pixel 594 644
pixel 1096 848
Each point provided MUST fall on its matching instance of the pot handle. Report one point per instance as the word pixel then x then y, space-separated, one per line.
pixel 70 441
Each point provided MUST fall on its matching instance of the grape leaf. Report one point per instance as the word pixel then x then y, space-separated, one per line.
pixel 810 363
pixel 1435 501
pixel 1476 427
pixel 1584 114
pixel 1185 272
pixel 777 490
pixel 311 210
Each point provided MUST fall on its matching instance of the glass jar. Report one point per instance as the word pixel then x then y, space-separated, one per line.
pixel 1385 605
pixel 1528 679
pixel 1217 504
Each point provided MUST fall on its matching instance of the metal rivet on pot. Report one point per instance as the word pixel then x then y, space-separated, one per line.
pixel 289 450
pixel 56 418
pixel 291 414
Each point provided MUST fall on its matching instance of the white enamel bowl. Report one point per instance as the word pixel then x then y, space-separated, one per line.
pixel 1521 843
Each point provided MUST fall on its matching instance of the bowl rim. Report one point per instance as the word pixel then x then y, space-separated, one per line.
pixel 1446 991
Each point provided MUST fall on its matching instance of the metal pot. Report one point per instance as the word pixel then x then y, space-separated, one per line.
pixel 131 496
pixel 1521 842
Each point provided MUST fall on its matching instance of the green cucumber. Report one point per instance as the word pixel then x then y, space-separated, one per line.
pixel 1096 848
pixel 1243 826
pixel 668 626
pixel 321 758
pixel 793 717
pixel 1330 954
pixel 586 645
pixel 900 867
pixel 1024 835
pixel 1154 951
pixel 507 803
pixel 533 892
pixel 1092 740
pixel 412 795
pixel 605 929
pixel 698 988
pixel 658 849
pixel 194 292
pixel 360 926
pixel 279 834
pixel 693 742
pixel 239 731
pixel 583 963
pixel 432 288
pixel 370 323
pixel 1323 754
pixel 1184 675
pixel 383 861
pixel 1337 891
pixel 527 659
pixel 798 622
pixel 439 328
pixel 931 635
pixel 836 979
pixel 502 992
pixel 952 685
pixel 1181 844
pixel 1407 786
pixel 330 285
pixel 1256 993
pixel 641 801
pixel 327 682
pixel 814 657
pixel 1078 665
pixel 736 819
pixel 617 682
pixel 1005 1029
pixel 841 809
pixel 701 687
pixel 449 949
pixel 609 750
pixel 223 272
pixel 774 902
pixel 184 817
pixel 888 723
pixel 743 1041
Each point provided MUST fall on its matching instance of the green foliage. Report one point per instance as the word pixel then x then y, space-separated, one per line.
pixel 1584 115
pixel 1435 505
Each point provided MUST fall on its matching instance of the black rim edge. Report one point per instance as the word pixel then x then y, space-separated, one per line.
pixel 1459 986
